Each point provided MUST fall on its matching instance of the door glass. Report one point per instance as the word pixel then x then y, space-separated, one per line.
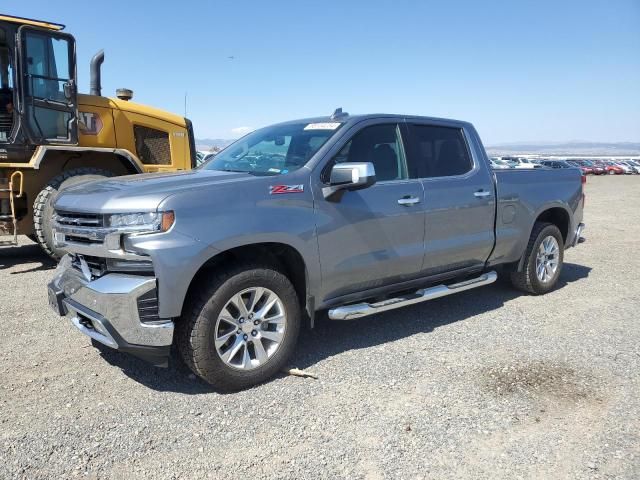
pixel 47 66
pixel 439 151
pixel 47 70
pixel 6 91
pixel 380 145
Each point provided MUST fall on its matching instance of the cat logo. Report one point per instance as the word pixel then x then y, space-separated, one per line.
pixel 89 123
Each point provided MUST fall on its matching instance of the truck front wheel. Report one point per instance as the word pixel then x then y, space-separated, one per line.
pixel 543 260
pixel 240 328
pixel 43 204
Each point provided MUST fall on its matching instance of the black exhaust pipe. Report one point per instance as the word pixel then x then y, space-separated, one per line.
pixel 95 85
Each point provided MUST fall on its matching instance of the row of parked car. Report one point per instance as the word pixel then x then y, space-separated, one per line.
pixel 588 167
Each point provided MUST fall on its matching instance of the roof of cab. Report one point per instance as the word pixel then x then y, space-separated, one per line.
pixel 346 118
pixel 32 22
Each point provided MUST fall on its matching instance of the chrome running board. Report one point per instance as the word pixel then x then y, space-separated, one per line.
pixel 349 312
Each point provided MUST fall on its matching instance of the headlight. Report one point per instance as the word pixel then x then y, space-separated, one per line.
pixel 145 222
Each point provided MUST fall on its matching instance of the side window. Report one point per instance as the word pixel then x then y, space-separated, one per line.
pixel 439 151
pixel 380 145
pixel 47 62
pixel 6 90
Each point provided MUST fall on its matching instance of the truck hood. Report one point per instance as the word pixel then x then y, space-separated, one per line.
pixel 139 193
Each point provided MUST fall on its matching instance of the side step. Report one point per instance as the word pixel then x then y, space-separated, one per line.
pixel 349 312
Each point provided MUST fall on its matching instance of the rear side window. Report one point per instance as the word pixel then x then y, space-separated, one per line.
pixel 439 151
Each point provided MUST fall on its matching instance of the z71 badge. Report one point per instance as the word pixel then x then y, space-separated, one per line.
pixel 278 189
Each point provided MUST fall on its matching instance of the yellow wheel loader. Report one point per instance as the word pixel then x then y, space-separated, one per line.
pixel 51 137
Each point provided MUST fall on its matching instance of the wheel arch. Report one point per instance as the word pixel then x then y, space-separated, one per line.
pixel 555 214
pixel 118 160
pixel 558 216
pixel 283 256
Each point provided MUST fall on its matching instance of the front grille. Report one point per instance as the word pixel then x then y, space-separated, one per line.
pixel 72 219
pixel 148 307
pixel 152 145
pixel 97 265
pixel 76 239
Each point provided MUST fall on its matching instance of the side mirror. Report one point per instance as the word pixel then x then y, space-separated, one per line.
pixel 349 176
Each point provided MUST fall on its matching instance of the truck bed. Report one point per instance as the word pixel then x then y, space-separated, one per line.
pixel 521 195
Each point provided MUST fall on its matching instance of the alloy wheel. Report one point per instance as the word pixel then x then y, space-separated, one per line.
pixel 547 259
pixel 250 328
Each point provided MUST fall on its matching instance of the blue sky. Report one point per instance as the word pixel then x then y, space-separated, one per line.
pixel 525 70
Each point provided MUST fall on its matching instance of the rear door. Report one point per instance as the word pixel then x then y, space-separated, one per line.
pixel 459 198
pixel 48 99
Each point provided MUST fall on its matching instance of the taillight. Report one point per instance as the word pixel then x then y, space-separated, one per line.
pixel 582 184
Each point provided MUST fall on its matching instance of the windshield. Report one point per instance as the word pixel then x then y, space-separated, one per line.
pixel 274 150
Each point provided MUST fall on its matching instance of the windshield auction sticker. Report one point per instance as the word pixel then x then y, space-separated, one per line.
pixel 322 126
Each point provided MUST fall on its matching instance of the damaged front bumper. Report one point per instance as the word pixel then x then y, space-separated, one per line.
pixel 118 310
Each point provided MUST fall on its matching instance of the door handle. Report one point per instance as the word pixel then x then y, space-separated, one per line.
pixel 481 194
pixel 408 201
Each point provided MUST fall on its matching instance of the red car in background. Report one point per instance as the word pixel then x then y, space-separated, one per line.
pixel 585 169
pixel 609 167
pixel 612 169
pixel 595 168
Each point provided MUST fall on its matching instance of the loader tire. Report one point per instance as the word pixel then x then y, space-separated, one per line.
pixel 43 204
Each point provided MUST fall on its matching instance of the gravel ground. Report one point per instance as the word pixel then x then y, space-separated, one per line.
pixel 486 384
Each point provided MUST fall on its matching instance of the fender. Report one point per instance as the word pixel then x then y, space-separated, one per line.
pixel 132 160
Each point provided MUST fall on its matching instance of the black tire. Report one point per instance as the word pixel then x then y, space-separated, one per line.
pixel 43 204
pixel 195 330
pixel 527 280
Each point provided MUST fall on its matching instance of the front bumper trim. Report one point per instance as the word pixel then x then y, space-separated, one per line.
pixel 106 310
pixel 90 323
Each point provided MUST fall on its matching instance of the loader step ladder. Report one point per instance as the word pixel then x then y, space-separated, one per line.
pixel 8 221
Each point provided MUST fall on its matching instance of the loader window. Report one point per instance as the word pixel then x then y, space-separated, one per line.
pixel 47 67
pixel 6 90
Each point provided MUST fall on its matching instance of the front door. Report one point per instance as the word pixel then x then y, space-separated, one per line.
pixel 48 97
pixel 372 237
pixel 459 199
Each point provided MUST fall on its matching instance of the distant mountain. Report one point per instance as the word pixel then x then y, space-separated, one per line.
pixel 206 144
pixel 566 148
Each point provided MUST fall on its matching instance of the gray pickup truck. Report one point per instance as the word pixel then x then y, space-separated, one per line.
pixel 348 215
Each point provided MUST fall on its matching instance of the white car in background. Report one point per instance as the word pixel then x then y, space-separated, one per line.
pixel 633 165
pixel 499 164
pixel 526 163
pixel 202 157
pixel 628 170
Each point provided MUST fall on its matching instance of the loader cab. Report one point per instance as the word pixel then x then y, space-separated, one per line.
pixel 38 93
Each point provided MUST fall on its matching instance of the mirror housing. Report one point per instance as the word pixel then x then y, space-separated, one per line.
pixel 349 176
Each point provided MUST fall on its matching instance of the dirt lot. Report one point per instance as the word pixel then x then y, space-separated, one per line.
pixel 486 384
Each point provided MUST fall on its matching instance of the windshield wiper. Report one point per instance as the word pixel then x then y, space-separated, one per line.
pixel 231 170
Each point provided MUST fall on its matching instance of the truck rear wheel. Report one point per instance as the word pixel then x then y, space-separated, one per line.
pixel 241 328
pixel 43 204
pixel 543 260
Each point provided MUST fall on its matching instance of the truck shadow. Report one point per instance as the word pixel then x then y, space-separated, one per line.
pixel 330 338
pixel 26 254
